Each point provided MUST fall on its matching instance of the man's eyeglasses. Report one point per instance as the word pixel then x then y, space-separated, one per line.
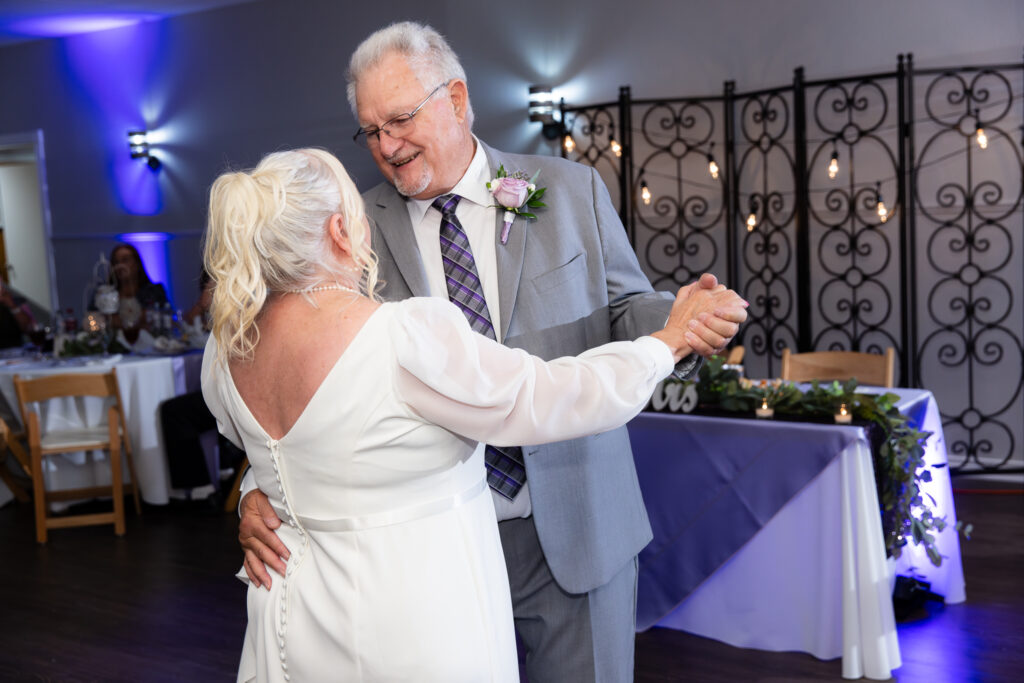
pixel 398 127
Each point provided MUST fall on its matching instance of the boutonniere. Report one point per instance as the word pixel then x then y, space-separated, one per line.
pixel 516 194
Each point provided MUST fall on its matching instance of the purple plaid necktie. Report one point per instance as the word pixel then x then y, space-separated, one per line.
pixel 505 470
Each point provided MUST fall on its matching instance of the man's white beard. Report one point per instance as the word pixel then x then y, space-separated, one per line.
pixel 413 189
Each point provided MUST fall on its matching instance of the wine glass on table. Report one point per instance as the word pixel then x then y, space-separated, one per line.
pixel 37 339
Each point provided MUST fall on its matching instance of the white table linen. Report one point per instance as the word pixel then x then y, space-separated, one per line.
pixel 815 578
pixel 145 382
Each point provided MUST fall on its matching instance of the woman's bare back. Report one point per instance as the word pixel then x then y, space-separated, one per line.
pixel 298 346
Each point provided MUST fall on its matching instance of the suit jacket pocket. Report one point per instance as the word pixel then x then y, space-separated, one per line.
pixel 575 267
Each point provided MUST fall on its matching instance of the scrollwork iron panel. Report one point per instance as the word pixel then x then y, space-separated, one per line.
pixel 941 279
pixel 592 130
pixel 766 184
pixel 852 161
pixel 969 223
pixel 679 233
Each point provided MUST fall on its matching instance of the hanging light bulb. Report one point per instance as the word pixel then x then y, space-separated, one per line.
pixel 568 143
pixel 981 137
pixel 751 222
pixel 645 192
pixel 883 213
pixel 613 144
pixel 712 165
pixel 833 164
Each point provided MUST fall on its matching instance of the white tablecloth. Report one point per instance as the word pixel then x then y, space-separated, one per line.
pixel 815 577
pixel 145 382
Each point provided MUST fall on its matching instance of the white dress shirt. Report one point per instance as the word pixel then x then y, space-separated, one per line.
pixel 477 214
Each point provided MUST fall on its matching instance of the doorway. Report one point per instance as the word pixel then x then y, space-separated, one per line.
pixel 26 249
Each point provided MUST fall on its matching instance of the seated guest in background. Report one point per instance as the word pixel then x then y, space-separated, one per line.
pixel 16 318
pixel 186 418
pixel 198 315
pixel 136 291
pixel 10 331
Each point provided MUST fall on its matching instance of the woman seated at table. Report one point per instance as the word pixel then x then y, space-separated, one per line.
pixel 15 318
pixel 362 422
pixel 136 292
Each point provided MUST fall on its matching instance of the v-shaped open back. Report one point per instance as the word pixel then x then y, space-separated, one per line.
pixel 340 362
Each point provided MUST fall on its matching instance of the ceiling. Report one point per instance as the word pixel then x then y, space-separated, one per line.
pixel 25 20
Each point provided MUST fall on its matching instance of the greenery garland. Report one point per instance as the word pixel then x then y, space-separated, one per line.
pixel 898 446
pixel 91 344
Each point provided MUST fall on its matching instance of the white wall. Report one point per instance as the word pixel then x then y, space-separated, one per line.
pixel 24 234
pixel 229 85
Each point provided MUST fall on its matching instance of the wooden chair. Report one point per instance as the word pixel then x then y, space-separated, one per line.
pixel 734 356
pixel 872 369
pixel 234 493
pixel 9 444
pixel 111 436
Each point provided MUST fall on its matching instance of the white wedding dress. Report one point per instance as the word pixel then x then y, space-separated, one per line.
pixel 396 570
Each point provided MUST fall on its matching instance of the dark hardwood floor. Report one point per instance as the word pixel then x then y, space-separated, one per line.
pixel 161 604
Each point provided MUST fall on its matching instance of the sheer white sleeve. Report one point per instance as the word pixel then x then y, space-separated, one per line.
pixel 483 390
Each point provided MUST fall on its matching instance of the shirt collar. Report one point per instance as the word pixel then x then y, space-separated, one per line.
pixel 472 186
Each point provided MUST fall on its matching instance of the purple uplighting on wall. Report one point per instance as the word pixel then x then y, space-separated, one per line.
pixel 60 25
pixel 113 73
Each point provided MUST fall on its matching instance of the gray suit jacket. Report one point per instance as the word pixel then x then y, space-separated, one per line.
pixel 569 281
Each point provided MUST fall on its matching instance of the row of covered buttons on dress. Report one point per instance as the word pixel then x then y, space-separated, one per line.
pixel 282 626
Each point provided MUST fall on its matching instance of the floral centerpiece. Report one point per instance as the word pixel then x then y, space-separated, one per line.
pixel 898 447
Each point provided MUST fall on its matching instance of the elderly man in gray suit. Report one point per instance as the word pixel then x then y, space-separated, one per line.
pixel 573 520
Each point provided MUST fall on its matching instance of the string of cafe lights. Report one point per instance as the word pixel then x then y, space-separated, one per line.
pixel 832 170
pixel 569 143
pixel 752 221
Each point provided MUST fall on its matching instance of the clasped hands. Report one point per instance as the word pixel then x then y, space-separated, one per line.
pixel 704 318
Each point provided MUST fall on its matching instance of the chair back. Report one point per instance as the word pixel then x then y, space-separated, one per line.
pixel 111 437
pixel 873 369
pixel 100 385
pixel 734 356
pixel 64 385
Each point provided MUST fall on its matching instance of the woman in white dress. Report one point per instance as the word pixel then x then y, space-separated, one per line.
pixel 362 420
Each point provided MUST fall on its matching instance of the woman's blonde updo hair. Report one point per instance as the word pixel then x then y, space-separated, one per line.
pixel 267 234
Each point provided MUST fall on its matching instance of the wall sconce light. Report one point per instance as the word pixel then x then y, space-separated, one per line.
pixel 542 110
pixel 138 143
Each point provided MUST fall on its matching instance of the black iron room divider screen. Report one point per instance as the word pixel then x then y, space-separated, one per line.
pixel 856 213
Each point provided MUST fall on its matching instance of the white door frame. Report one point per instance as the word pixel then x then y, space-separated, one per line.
pixel 34 140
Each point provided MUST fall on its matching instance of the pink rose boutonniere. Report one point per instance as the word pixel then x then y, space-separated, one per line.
pixel 516 194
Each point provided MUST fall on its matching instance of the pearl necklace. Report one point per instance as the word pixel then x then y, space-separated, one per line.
pixel 321 288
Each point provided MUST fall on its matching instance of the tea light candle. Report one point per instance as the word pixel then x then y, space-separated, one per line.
pixel 843 417
pixel 764 412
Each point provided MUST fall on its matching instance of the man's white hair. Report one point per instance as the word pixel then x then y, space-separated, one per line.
pixel 428 54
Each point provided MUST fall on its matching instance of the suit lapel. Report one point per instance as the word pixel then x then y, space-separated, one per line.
pixel 509 256
pixel 395 228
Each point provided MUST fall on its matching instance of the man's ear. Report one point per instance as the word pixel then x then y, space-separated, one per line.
pixel 460 98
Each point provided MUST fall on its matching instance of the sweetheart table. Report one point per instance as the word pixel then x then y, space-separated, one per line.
pixel 768 535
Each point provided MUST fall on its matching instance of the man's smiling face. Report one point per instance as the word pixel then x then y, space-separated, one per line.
pixel 431 157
